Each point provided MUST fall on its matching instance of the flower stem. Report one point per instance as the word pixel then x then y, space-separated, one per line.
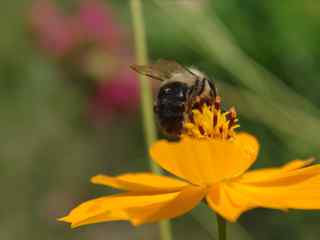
pixel 222 227
pixel 146 95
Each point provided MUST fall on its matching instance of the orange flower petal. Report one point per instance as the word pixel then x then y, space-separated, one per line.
pixel 187 199
pixel 136 208
pixel 283 197
pixel 295 164
pixel 141 182
pixel 292 173
pixel 204 162
pixel 242 156
pixel 113 207
pixel 287 187
pixel 103 217
pixel 271 173
pixel 227 202
pixel 291 186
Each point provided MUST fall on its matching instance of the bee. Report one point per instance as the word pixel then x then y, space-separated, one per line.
pixel 182 89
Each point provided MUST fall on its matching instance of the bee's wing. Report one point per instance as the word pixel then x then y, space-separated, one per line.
pixel 163 69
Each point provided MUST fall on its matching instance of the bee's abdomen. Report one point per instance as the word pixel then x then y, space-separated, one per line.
pixel 170 107
pixel 171 117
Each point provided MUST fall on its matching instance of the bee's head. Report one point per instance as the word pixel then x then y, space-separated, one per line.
pixel 173 92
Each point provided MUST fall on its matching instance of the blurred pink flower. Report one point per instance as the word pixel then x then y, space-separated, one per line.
pixel 96 23
pixel 119 94
pixel 94 45
pixel 93 23
pixel 53 29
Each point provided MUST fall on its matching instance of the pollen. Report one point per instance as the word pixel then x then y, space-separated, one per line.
pixel 210 121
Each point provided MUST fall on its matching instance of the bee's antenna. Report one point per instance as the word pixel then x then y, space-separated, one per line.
pixel 136 68
pixel 140 69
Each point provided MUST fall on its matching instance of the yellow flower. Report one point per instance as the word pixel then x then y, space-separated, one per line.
pixel 211 167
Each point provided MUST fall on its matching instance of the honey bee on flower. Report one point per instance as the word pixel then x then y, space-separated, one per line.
pixel 182 89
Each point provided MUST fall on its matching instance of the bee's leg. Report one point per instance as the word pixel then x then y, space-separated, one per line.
pixel 190 98
pixel 213 89
pixel 199 87
pixel 194 100
pixel 197 90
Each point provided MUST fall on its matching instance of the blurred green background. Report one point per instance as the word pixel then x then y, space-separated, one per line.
pixel 262 55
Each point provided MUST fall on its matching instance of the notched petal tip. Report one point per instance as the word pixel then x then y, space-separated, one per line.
pixel 63 219
pixel 97 179
pixel 73 226
pixel 67 219
pixel 106 181
pixel 295 164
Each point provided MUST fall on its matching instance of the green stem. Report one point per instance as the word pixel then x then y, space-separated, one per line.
pixel 222 227
pixel 146 95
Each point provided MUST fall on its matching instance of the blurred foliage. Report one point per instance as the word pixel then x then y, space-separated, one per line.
pixel 49 149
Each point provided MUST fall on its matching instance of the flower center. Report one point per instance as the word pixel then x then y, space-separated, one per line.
pixel 209 121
